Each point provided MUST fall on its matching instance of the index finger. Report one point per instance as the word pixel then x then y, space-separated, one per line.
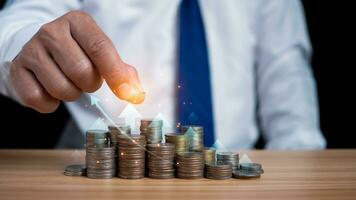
pixel 100 50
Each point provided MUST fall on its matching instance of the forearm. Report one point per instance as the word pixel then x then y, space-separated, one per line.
pixel 286 90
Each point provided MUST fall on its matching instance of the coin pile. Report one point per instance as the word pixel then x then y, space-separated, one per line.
pixel 218 171
pixel 75 170
pixel 248 170
pixel 190 165
pixel 231 158
pixel 180 142
pixel 97 137
pixel 131 156
pixel 160 160
pixel 100 161
pixel 195 136
pixel 209 155
pixel 152 129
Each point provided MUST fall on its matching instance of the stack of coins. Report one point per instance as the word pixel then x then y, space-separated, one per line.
pixel 231 158
pixel 119 130
pixel 131 156
pixel 180 142
pixel 195 136
pixel 248 170
pixel 100 161
pixel 97 137
pixel 160 160
pixel 75 170
pixel 209 155
pixel 218 171
pixel 152 129
pixel 190 165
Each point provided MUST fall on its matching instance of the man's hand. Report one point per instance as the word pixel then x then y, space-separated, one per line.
pixel 66 57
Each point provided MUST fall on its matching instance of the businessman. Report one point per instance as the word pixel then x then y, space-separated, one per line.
pixel 239 68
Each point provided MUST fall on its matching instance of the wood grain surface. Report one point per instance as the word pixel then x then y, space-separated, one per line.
pixel 38 174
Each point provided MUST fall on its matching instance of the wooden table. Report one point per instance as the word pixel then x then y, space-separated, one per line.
pixel 38 174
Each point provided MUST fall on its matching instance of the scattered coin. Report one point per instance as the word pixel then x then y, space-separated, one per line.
pixel 252 167
pixel 75 170
pixel 245 174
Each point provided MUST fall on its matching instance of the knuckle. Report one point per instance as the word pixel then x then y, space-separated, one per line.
pixel 48 108
pixel 78 15
pixel 94 85
pixel 66 92
pixel 97 47
pixel 33 98
pixel 132 69
pixel 46 29
pixel 86 76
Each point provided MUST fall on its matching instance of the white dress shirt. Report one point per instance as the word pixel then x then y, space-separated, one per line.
pixel 259 54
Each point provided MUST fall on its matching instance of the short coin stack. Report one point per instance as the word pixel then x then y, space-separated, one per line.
pixel 100 161
pixel 160 160
pixel 231 158
pixel 209 155
pixel 195 136
pixel 75 170
pixel 190 165
pixel 131 156
pixel 152 129
pixel 248 170
pixel 180 142
pixel 218 171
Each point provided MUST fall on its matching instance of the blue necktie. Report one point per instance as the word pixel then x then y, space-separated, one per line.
pixel 194 91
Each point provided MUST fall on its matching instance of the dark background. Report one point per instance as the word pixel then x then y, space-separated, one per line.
pixel 331 30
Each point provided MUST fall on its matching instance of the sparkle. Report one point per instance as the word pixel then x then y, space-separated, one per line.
pixel 122 153
pixel 183 102
pixel 178 124
pixel 179 86
pixel 97 162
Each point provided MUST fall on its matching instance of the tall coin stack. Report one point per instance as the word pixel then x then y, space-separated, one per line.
pixel 100 155
pixel 114 132
pixel 160 160
pixel 131 156
pixel 231 158
pixel 190 165
pixel 195 136
pixel 209 155
pixel 180 142
pixel 152 129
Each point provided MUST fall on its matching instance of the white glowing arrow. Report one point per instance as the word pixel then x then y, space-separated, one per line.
pixel 94 101
pixel 130 115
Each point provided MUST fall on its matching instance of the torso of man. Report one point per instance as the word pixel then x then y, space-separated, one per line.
pixel 145 34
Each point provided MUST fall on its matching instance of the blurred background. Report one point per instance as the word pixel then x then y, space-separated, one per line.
pixel 333 38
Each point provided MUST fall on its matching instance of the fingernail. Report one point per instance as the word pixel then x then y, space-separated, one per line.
pixel 123 91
